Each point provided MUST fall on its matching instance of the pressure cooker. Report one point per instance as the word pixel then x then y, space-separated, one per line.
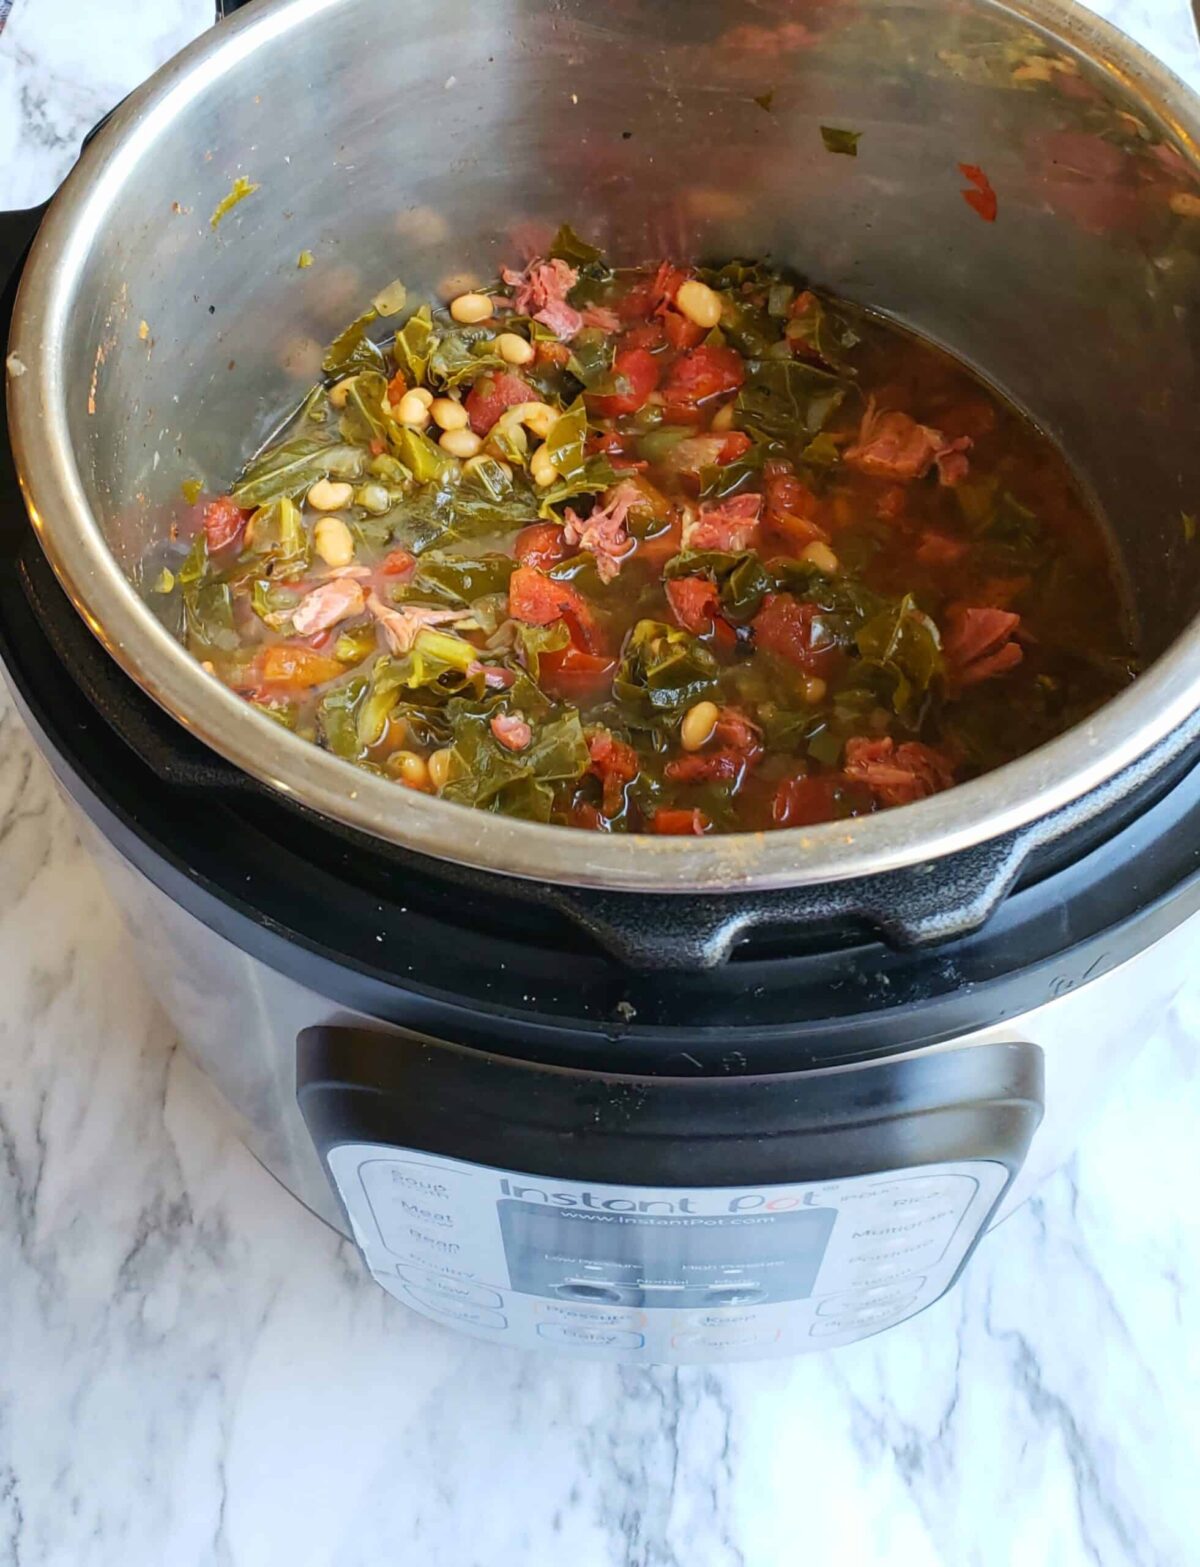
pixel 649 1100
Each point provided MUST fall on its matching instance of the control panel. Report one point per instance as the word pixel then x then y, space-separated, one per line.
pixel 661 1274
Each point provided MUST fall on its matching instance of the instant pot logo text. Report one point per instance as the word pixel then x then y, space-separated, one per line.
pixel 710 1202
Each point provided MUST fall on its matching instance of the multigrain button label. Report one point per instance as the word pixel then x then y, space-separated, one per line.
pixel 886 1231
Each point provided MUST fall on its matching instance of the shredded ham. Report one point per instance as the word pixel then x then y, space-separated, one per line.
pixel 513 733
pixel 897 775
pixel 401 624
pixel 335 600
pixel 601 316
pixel 977 643
pixel 603 534
pixel 728 525
pixel 894 446
pixel 541 292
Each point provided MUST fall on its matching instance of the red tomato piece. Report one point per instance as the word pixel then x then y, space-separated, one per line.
pixel 492 394
pixel 541 545
pixel 983 197
pixel 557 354
pixel 396 387
pixel 223 522
pixel 539 601
pixel 297 668
pixel 646 334
pixel 634 377
pixel 576 676
pixel 703 373
pixel 794 631
pixel 679 824
pixel 737 444
pixel 615 764
pixel 807 799
pixel 682 333
pixel 695 603
pixel 398 563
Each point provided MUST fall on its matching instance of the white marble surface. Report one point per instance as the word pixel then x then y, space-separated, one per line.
pixel 194 1371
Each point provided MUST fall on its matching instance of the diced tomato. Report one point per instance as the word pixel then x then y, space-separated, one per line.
pixel 576 676
pixel 396 387
pixel 792 511
pixel 977 643
pixel 223 522
pixel 703 373
pixel 892 504
pixel 377 446
pixel 541 545
pixel 651 294
pixel 634 377
pixel 806 799
pixel 646 334
pixel 695 603
pixel 983 197
pixel 492 394
pixel 297 667
pixel 539 601
pixel 939 549
pixel 737 444
pixel 682 333
pixel 615 764
pixel 398 563
pixel 794 631
pixel 584 814
pixel 679 824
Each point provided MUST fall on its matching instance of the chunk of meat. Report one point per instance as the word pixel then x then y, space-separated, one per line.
pixel 539 601
pixel 897 774
pixel 894 446
pixel 678 824
pixel 400 623
pixel 224 520
pixel 729 524
pixel 977 643
pixel 492 393
pixel 603 533
pixel 695 603
pixel 541 292
pixel 511 731
pixel 335 600
pixel 680 332
pixel 794 631
pixel 615 764
pixel 601 316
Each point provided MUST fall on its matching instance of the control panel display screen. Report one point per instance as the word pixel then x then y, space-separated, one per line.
pixel 650 1259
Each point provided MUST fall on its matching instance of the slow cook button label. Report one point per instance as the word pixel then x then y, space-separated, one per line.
pixel 451 1289
pixel 455 1311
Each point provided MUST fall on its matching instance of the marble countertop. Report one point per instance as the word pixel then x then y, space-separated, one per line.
pixel 193 1370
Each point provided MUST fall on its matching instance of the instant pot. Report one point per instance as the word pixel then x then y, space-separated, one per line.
pixel 642 1099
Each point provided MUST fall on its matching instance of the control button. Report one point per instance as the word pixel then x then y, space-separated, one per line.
pixel 577 1335
pixel 455 1311
pixel 585 1290
pixel 596 1316
pixel 452 1289
pixel 850 1322
pixel 915 1253
pixel 713 1319
pixel 740 1293
pixel 732 1338
pixel 882 1272
pixel 887 1297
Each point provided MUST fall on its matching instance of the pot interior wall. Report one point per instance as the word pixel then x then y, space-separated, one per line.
pixel 439 137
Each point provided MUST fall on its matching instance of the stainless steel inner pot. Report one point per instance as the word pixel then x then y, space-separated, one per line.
pixel 439 137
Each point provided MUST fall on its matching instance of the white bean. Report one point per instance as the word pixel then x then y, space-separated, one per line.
pixel 698 724
pixel 462 443
pixel 328 496
pixel 471 308
pixel 541 468
pixel 448 414
pixel 514 349
pixel 333 541
pixel 699 303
